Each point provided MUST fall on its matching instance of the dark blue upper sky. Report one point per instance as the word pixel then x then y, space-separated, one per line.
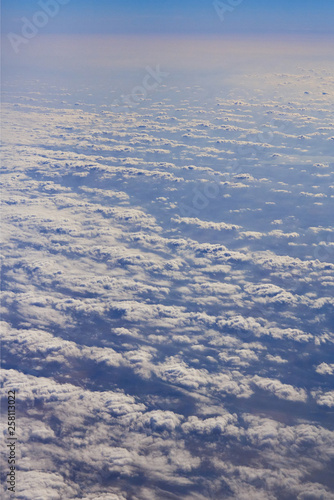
pixel 175 16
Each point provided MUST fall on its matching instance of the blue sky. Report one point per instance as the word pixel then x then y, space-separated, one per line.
pixel 172 16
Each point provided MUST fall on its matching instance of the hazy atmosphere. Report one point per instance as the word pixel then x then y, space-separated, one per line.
pixel 168 250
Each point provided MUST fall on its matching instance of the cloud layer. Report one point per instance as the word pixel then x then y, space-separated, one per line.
pixel 168 292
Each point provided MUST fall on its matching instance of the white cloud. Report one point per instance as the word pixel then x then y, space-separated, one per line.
pixel 282 391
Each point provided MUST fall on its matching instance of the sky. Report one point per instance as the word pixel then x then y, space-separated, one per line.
pixel 168 246
pixel 187 17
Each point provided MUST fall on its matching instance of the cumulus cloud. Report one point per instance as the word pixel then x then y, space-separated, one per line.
pixel 282 391
pixel 324 398
pixel 325 369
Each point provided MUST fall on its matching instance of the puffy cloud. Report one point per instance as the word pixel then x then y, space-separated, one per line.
pixel 222 424
pixel 324 398
pixel 217 226
pixel 276 359
pixel 282 391
pixel 161 420
pixel 174 370
pixel 325 369
pixel 40 485
pixel 37 344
